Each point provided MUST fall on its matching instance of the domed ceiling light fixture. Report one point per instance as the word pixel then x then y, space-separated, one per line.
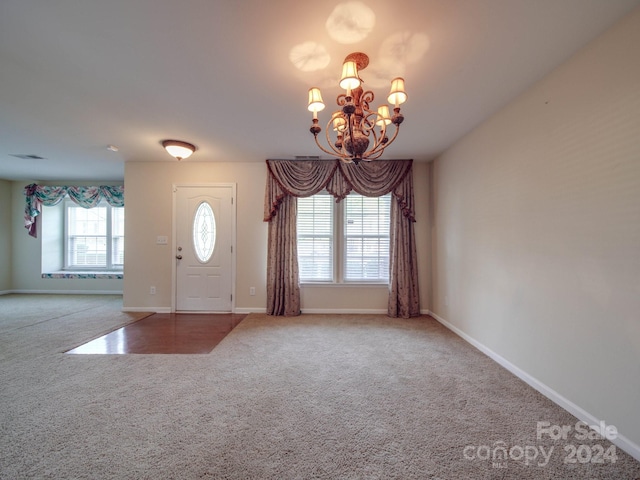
pixel 177 149
pixel 354 124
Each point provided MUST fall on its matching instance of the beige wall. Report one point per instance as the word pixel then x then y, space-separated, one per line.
pixel 149 200
pixel 149 214
pixel 149 203
pixel 537 231
pixel 5 236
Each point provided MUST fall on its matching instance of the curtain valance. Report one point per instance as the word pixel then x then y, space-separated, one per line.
pixel 87 197
pixel 303 178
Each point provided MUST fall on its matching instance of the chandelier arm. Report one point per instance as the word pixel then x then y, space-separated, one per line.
pixel 329 152
pixel 348 127
pixel 378 137
pixel 374 156
pixel 326 134
pixel 366 99
pixel 367 125
pixel 379 148
pixel 336 150
pixel 395 134
pixel 371 130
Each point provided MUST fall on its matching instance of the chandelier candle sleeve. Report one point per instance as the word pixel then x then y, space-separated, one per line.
pixel 357 131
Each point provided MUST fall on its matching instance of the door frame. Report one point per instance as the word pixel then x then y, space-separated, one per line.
pixel 174 238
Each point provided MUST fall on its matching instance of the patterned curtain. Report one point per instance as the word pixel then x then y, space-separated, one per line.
pixel 87 197
pixel 289 179
pixel 283 290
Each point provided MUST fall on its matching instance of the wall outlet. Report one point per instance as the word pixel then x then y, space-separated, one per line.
pixel 152 290
pixel 252 290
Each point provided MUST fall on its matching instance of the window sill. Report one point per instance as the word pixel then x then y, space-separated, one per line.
pixel 85 275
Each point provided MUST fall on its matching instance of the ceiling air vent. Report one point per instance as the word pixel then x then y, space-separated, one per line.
pixel 26 156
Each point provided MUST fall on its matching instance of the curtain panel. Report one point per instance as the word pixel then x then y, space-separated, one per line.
pixel 87 197
pixel 288 179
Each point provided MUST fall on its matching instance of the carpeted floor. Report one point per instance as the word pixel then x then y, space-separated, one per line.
pixel 316 396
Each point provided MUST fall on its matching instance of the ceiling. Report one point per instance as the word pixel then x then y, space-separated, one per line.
pixel 229 75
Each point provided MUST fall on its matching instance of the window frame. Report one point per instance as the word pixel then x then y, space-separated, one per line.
pixel 109 238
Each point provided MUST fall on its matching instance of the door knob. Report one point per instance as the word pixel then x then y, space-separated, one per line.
pixel 179 257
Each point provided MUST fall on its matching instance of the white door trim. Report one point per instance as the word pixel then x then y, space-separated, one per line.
pixel 174 285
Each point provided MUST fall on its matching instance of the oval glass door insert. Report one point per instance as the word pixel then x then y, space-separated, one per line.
pixel 204 232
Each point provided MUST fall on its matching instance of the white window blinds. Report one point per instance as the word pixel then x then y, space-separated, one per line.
pixel 315 237
pixel 366 238
pixel 343 242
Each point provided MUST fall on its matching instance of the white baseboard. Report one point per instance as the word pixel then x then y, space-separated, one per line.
pixel 620 441
pixel 311 311
pixel 348 311
pixel 168 310
pixel 5 292
pixel 336 311
pixel 247 311
pixel 69 292
pixel 147 309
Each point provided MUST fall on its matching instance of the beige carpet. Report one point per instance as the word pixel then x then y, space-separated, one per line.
pixel 317 396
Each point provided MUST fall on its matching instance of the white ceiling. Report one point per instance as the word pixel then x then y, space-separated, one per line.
pixel 77 76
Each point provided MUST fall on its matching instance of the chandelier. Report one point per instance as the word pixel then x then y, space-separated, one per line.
pixel 355 137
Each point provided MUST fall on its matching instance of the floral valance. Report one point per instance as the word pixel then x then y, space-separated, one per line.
pixel 303 178
pixel 87 197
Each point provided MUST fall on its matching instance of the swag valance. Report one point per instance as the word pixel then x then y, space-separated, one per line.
pixel 87 197
pixel 287 180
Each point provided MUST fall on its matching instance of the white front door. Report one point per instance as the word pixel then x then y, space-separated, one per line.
pixel 204 222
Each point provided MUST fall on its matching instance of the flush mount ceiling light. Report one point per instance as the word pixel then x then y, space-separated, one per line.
pixel 354 124
pixel 177 149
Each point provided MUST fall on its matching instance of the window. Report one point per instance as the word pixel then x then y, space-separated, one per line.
pixel 204 232
pixel 94 237
pixel 343 242
pixel 366 237
pixel 315 237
